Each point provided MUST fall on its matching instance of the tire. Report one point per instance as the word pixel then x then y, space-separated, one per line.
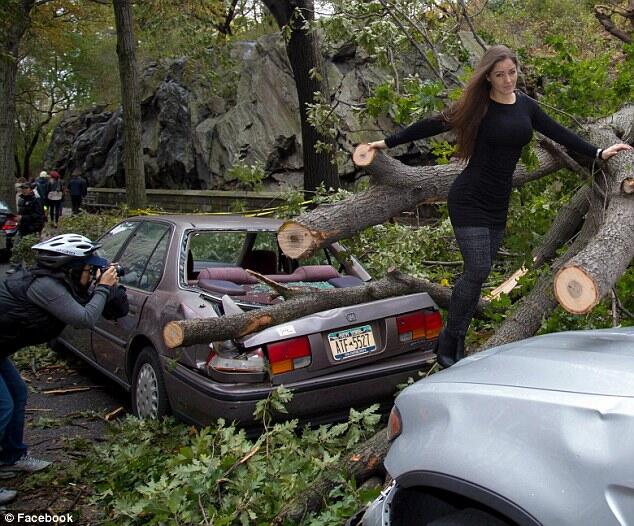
pixel 149 397
pixel 469 517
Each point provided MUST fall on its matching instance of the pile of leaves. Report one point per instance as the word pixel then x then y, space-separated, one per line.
pixel 163 472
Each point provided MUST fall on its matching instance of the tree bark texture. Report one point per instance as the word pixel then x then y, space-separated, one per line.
pixel 363 463
pixel 188 332
pixel 131 105
pixel 565 224
pixel 395 187
pixel 588 277
pixel 310 76
pixel 15 20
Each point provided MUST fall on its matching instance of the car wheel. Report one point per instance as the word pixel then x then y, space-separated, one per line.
pixel 149 397
pixel 469 517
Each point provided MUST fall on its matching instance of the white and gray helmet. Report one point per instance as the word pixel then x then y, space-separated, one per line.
pixel 66 248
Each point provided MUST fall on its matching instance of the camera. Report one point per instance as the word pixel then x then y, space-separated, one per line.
pixel 118 268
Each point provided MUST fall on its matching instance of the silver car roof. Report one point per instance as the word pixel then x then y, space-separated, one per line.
pixel 593 362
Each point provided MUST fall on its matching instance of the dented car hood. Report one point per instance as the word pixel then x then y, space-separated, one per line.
pixel 597 362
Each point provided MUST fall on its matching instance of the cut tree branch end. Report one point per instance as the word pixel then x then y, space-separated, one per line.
pixel 575 290
pixel 363 155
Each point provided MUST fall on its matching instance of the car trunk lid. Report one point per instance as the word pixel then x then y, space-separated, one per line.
pixel 345 337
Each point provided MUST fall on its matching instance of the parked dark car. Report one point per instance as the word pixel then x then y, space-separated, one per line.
pixel 8 229
pixel 184 267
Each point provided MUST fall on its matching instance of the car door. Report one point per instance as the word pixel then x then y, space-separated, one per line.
pixel 143 260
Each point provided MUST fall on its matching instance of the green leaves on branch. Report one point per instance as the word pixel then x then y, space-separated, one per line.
pixel 161 472
pixel 584 87
pixel 415 99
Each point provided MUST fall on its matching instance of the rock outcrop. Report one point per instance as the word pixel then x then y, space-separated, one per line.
pixel 191 138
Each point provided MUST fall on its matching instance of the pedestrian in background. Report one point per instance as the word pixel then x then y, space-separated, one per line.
pixel 55 197
pixel 42 189
pixel 78 189
pixel 30 211
pixel 18 193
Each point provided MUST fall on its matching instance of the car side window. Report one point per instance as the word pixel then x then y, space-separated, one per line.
pixel 214 248
pixel 154 268
pixel 112 242
pixel 137 254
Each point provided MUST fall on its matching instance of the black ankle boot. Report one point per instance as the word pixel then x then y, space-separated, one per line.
pixel 459 355
pixel 446 349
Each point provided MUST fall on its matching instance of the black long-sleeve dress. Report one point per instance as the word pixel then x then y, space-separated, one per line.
pixel 480 194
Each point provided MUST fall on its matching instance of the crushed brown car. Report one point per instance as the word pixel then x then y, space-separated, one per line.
pixel 194 266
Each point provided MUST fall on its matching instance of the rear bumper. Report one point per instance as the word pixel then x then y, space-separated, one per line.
pixel 203 401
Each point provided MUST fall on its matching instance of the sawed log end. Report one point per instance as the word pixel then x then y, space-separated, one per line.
pixel 295 240
pixel 576 290
pixel 363 155
pixel 173 334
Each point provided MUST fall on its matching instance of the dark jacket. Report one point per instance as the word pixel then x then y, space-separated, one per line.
pixel 77 186
pixel 31 214
pixel 23 323
pixel 42 187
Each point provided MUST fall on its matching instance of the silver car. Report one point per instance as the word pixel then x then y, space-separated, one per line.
pixel 537 432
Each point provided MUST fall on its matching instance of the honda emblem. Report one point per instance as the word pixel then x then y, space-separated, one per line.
pixel 351 316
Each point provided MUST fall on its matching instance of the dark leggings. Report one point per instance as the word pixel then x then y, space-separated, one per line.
pixel 55 208
pixel 478 246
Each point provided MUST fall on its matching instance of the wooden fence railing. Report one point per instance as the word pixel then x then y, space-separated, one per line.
pixel 186 200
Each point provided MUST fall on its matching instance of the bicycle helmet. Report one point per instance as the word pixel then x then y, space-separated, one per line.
pixel 68 249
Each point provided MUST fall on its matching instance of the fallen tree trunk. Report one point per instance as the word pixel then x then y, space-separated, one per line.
pixel 531 310
pixel 565 224
pixel 188 332
pixel 586 278
pixel 395 187
pixel 366 461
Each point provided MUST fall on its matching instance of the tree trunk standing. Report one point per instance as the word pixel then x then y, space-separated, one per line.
pixel 304 54
pixel 15 19
pixel 131 105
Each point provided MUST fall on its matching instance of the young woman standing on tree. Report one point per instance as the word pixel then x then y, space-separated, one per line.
pixel 492 122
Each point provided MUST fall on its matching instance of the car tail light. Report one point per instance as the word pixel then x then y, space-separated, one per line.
pixel 394 424
pixel 289 355
pixel 251 362
pixel 418 325
pixel 10 224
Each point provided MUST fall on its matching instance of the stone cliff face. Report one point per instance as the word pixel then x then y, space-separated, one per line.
pixel 191 138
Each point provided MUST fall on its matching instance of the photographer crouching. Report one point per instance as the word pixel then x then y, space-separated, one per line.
pixel 70 285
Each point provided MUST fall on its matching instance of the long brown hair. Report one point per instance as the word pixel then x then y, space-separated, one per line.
pixel 466 114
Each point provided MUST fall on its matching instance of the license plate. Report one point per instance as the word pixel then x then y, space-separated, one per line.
pixel 351 342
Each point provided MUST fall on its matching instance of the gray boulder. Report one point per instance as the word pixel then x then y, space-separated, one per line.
pixel 191 137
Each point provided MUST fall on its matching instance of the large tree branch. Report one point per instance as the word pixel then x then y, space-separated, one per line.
pixel 530 311
pixel 187 332
pixel 395 187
